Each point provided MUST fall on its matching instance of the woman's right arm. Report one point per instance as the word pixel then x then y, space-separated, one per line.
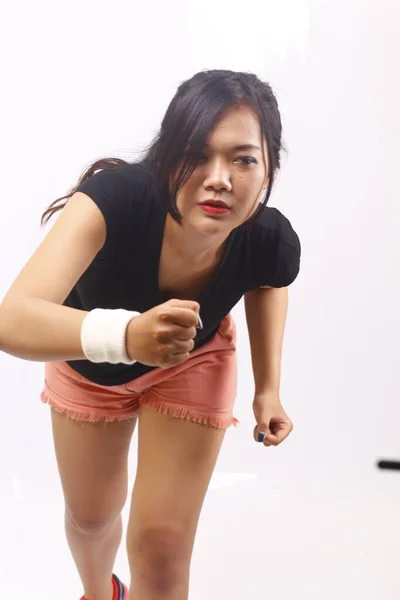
pixel 34 325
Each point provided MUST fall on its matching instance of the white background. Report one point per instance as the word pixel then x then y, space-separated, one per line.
pixel 313 519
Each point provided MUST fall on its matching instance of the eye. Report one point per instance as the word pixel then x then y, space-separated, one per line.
pixel 250 160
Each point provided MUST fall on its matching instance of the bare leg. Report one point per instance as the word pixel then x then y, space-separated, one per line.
pixel 92 462
pixel 175 462
pixel 94 554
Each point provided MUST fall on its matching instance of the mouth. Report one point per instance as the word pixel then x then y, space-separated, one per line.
pixel 215 204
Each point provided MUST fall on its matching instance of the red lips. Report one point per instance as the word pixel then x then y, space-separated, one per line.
pixel 216 203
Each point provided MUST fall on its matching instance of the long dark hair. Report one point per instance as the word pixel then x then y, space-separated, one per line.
pixel 190 116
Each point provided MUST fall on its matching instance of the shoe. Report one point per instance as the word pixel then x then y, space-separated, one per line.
pixel 120 590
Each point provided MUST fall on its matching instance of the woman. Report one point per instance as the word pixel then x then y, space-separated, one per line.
pixel 127 300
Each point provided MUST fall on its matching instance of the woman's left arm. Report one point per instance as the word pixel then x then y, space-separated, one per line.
pixel 266 313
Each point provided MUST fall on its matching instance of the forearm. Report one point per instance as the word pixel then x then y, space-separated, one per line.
pixel 266 313
pixel 38 330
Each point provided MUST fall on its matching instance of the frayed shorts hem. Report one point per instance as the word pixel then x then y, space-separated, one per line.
pixel 174 411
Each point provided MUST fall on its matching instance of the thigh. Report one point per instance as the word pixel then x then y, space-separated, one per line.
pixel 176 459
pixel 92 462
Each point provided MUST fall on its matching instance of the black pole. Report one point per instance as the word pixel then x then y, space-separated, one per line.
pixel 392 465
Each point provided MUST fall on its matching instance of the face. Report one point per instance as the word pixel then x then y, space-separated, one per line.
pixel 237 176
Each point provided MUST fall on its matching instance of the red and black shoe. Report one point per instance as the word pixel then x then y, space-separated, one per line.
pixel 120 590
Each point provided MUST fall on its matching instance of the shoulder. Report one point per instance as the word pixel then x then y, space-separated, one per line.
pixel 120 192
pixel 125 196
pixel 122 179
pixel 135 173
pixel 272 226
pixel 276 249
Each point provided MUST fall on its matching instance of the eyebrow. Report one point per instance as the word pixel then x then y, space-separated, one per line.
pixel 241 147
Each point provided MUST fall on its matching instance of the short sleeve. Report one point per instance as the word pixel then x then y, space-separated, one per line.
pixel 120 193
pixel 280 253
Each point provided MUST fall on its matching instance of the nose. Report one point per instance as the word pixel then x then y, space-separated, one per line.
pixel 217 176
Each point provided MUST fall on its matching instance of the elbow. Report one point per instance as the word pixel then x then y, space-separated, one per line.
pixel 5 329
pixel 9 324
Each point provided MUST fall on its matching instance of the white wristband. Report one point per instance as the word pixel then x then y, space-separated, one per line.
pixel 103 335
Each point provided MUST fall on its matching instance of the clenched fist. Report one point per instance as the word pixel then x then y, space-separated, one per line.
pixel 163 336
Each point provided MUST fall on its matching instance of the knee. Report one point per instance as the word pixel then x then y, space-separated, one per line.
pixel 159 555
pixel 89 524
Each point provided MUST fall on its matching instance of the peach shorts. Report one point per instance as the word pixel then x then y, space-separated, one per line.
pixel 202 389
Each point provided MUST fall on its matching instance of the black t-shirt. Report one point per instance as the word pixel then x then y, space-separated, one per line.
pixel 124 274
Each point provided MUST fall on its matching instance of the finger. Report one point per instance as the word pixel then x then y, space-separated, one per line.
pixel 277 438
pixel 181 346
pixel 255 433
pixel 192 304
pixel 186 317
pixel 261 438
pixel 260 433
pixel 184 333
pixel 188 304
pixel 271 441
pixel 174 360
pixel 171 334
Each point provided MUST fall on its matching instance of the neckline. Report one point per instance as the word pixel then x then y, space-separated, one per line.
pixel 212 281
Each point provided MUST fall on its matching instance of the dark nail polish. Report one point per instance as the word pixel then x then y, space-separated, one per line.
pixel 261 437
